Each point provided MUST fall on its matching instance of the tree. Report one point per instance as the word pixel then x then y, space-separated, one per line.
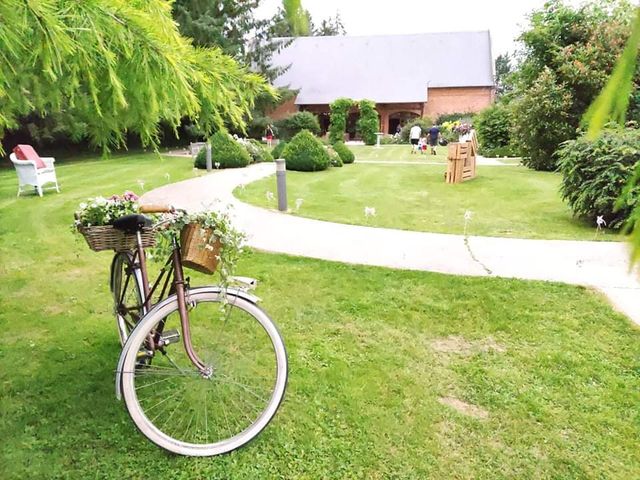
pixel 232 26
pixel 503 72
pixel 575 49
pixel 329 26
pixel 115 66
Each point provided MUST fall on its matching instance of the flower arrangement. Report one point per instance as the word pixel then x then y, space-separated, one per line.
pixel 462 128
pixel 216 233
pixel 101 211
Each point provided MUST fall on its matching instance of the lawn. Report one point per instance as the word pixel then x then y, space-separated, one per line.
pixel 505 201
pixel 402 153
pixel 393 374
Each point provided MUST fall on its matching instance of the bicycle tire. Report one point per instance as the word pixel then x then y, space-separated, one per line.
pixel 239 411
pixel 127 291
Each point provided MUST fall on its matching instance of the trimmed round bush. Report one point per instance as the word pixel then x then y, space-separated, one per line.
pixel 292 125
pixel 305 153
pixel 225 151
pixel 278 149
pixel 346 155
pixel 595 175
pixel 368 123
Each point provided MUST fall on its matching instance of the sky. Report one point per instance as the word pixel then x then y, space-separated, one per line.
pixel 505 19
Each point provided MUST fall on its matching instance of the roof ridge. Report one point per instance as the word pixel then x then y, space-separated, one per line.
pixel 447 32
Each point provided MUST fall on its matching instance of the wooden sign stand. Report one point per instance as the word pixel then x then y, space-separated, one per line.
pixel 461 161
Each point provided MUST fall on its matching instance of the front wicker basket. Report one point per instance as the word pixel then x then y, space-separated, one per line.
pixel 108 238
pixel 197 253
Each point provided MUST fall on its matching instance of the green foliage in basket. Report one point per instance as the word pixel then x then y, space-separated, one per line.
pixel 100 211
pixel 232 240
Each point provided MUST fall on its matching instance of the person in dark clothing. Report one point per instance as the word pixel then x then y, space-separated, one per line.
pixel 434 135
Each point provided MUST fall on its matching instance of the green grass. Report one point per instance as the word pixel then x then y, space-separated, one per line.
pixel 553 366
pixel 402 153
pixel 506 201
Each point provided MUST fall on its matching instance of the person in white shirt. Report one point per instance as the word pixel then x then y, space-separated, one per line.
pixel 414 137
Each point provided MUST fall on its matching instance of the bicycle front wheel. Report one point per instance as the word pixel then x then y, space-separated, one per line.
pixel 127 291
pixel 190 413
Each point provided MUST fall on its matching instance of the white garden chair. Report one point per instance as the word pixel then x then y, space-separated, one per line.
pixel 35 172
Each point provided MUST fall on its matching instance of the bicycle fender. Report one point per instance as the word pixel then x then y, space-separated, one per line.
pixel 231 292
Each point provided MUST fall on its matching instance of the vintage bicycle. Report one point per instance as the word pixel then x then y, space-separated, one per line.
pixel 202 370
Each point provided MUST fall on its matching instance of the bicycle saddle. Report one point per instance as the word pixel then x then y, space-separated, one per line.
pixel 132 223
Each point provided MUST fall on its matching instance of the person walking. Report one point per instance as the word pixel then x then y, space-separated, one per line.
pixel 434 135
pixel 269 135
pixel 414 137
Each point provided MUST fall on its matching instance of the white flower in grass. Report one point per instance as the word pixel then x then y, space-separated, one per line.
pixel 167 176
pixel 299 202
pixel 141 184
pixel 467 215
pixel 369 211
pixel 600 222
pixel 269 196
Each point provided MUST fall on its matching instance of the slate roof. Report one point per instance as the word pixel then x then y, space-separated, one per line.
pixel 384 68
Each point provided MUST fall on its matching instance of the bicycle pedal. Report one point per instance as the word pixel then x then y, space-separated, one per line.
pixel 169 337
pixel 144 354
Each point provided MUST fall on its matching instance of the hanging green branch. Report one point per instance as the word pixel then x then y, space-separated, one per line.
pixel 115 66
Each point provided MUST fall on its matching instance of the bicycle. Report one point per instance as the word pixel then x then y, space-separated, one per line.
pixel 202 370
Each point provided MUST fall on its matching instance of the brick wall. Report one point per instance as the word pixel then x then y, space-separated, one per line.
pixel 284 110
pixel 459 99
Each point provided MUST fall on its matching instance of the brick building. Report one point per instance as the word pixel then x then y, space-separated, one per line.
pixel 408 76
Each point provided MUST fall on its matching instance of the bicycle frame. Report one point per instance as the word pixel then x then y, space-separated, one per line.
pixel 180 292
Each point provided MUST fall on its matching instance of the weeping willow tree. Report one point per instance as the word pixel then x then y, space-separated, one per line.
pixel 115 67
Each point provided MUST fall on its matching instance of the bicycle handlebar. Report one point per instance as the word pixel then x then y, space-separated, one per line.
pixel 151 208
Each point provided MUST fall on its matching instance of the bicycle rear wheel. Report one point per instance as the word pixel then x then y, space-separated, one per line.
pixel 127 290
pixel 188 413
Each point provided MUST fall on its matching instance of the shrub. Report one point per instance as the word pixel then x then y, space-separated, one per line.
pixel 278 149
pixel 289 127
pixel 541 118
pixel 452 117
pixel 595 173
pixel 424 122
pixel 368 123
pixel 305 153
pixel 493 126
pixel 225 151
pixel 338 120
pixel 334 158
pixel 257 151
pixel 391 140
pixel 506 151
pixel 346 155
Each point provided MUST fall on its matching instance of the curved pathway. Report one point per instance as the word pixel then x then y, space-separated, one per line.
pixel 602 265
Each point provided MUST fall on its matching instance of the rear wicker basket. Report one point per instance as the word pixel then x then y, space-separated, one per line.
pixel 197 252
pixel 108 238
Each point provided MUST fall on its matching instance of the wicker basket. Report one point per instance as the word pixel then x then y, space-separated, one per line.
pixel 197 253
pixel 108 238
